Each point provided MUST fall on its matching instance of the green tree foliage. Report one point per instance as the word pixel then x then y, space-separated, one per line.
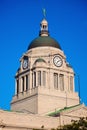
pixel 81 124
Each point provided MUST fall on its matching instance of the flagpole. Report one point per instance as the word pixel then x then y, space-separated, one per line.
pixel 79 87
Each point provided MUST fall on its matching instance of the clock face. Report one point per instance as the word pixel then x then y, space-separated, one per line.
pixel 25 64
pixel 57 61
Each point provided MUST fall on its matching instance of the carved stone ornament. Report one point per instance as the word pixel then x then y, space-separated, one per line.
pixel 2 124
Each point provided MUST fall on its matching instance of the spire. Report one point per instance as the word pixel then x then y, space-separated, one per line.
pixel 44 25
pixel 44 12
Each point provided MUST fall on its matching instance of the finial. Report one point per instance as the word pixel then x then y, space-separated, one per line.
pixel 44 12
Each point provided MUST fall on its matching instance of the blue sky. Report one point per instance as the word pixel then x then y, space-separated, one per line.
pixel 19 25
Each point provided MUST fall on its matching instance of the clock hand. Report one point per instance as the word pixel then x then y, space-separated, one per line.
pixel 58 61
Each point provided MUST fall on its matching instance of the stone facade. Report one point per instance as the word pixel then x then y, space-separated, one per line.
pixel 24 121
pixel 45 80
pixel 42 96
pixel 44 85
pixel 74 113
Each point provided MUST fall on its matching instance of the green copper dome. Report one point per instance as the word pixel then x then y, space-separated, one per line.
pixel 43 41
pixel 40 60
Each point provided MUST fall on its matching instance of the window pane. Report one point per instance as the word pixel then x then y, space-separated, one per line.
pixel 61 82
pixel 17 87
pixel 26 82
pixel 55 80
pixel 22 84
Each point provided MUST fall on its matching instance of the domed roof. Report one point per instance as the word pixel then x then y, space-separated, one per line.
pixel 43 41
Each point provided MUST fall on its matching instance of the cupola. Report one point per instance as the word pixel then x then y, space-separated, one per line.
pixel 44 28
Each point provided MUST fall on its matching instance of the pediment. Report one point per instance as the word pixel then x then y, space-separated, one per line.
pixel 79 111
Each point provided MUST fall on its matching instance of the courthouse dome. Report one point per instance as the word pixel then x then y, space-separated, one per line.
pixel 44 39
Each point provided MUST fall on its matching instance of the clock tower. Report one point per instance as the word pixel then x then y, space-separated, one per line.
pixel 45 80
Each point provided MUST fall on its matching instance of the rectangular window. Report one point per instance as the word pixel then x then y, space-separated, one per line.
pixel 71 83
pixel 26 82
pixel 44 78
pixel 55 80
pixel 17 87
pixel 39 78
pixel 61 82
pixel 22 84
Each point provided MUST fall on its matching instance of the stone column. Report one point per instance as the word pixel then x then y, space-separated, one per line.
pixel 48 79
pixel 33 79
pixel 25 83
pixel 51 77
pixel 15 86
pixel 41 78
pixel 58 83
pixel 36 79
pixel 30 79
pixel 69 83
pixel 73 84
pixel 65 83
pixel 21 84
